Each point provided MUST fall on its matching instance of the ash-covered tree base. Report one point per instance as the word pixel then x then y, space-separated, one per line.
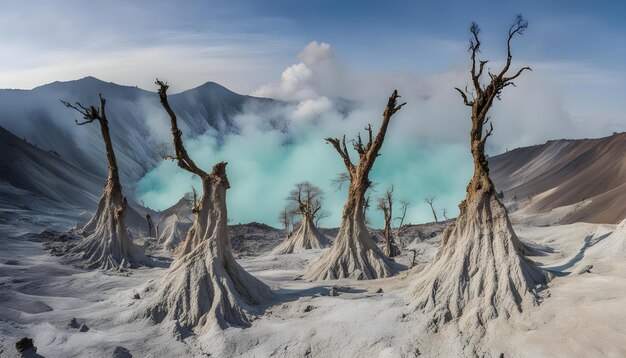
pixel 307 237
pixel 205 287
pixel 479 272
pixel 201 292
pixel 108 247
pixel 356 257
pixel 101 251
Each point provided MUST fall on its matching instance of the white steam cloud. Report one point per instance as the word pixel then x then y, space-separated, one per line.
pixel 425 152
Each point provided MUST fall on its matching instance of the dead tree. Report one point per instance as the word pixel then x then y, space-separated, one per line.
pixel 321 216
pixel 444 213
pixel 306 201
pixel 404 206
pixel 480 272
pixel 204 285
pixel 354 254
pixel 108 245
pixel 415 252
pixel 340 180
pixel 286 218
pixel 385 204
pixel 430 200
pixel 150 225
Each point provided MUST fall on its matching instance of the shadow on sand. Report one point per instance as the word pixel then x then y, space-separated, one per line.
pixel 561 270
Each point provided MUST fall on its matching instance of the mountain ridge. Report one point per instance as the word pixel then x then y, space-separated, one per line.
pixel 135 117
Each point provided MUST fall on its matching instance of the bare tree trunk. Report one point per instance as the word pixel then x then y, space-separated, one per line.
pixel 479 272
pixel 150 225
pixel 108 246
pixel 385 204
pixel 354 254
pixel 205 286
pixel 404 206
pixel 391 249
pixel 430 201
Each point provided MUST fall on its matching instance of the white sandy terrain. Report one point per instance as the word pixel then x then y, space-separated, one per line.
pixel 581 315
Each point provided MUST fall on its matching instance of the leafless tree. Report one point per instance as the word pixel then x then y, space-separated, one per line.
pixel 306 202
pixel 415 252
pixel 444 214
pixel 354 254
pixel 385 204
pixel 341 179
pixel 286 219
pixel 205 286
pixel 150 225
pixel 321 216
pixel 404 206
pixel 108 246
pixel 430 200
pixel 482 240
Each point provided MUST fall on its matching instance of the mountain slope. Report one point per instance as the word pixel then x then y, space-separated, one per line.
pixel 36 180
pixel 137 121
pixel 44 173
pixel 587 174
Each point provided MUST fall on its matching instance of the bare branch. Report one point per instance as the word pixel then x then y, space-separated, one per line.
pixel 516 29
pixel 341 148
pixel 358 145
pixel 464 96
pixel 508 79
pixel 182 157
pixel 489 131
pixel 89 114
pixel 481 68
pixel 321 216
pixel 392 108
pixel 340 180
pixel 369 135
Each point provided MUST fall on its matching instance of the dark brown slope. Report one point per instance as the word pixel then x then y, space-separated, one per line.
pixel 565 172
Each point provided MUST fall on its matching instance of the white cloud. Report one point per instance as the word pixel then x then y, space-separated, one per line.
pixel 316 54
pixel 296 85
pixel 312 108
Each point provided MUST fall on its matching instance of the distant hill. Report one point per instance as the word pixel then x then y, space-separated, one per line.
pixel 134 114
pixel 587 174
pixel 46 173
pixel 41 181
pixel 48 158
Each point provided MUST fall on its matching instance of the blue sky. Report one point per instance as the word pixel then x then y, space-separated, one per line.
pixel 245 44
pixel 418 36
pixel 309 53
